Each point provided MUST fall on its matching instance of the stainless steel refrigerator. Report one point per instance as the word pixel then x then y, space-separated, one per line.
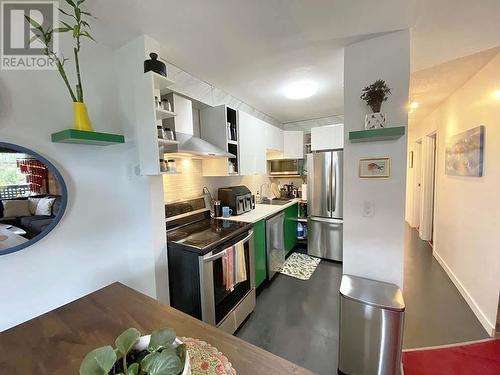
pixel 324 204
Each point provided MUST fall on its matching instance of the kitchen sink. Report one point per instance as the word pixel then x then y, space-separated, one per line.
pixel 276 202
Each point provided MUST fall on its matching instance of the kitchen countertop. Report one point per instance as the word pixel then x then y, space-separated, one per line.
pixel 262 211
pixel 56 342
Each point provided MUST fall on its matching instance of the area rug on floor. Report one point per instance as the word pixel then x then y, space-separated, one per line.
pixel 461 359
pixel 300 266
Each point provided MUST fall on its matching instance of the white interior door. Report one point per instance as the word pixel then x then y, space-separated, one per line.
pixel 417 181
pixel 427 190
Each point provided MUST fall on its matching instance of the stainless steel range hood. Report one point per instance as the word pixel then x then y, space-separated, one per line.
pixel 190 145
pixel 195 147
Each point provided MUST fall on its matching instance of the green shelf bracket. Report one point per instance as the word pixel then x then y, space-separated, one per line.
pixel 374 135
pixel 87 138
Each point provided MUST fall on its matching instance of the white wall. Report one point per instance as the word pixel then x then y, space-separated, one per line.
pixel 374 246
pixel 467 209
pixel 103 236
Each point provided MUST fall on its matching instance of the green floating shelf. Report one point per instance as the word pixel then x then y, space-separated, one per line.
pixel 374 135
pixel 87 138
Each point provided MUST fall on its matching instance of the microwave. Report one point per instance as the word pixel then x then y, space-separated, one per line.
pixel 285 167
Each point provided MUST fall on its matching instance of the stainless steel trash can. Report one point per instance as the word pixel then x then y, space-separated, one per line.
pixel 371 327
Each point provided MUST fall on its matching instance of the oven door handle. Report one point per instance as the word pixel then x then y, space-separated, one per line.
pixel 211 258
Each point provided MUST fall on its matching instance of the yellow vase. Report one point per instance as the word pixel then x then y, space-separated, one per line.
pixel 81 117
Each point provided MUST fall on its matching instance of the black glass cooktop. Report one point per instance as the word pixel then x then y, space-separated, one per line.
pixel 204 235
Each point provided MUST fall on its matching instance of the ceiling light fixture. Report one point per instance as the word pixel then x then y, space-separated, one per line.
pixel 414 105
pixel 497 94
pixel 300 89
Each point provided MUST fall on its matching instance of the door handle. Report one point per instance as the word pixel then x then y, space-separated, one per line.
pixel 334 184
pixel 215 257
pixel 329 221
pixel 211 258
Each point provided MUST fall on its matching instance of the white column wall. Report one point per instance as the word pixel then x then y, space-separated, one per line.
pixel 374 246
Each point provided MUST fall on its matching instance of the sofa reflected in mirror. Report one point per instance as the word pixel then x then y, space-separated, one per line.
pixel 33 197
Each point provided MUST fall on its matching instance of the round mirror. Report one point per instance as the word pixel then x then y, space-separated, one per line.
pixel 33 197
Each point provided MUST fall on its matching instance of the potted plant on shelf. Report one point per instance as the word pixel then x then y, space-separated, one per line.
pixel 79 28
pixel 160 353
pixel 374 95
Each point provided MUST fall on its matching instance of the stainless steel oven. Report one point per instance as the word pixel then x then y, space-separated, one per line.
pixel 210 263
pixel 226 307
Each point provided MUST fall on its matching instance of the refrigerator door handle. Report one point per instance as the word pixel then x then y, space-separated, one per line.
pixel 329 186
pixel 326 220
pixel 334 162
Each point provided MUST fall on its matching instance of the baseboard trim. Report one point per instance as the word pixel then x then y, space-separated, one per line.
pixel 448 345
pixel 487 325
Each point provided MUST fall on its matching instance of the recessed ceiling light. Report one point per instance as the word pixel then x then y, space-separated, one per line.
pixel 414 105
pixel 300 89
pixel 497 94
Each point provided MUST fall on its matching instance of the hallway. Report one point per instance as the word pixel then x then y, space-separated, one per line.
pixel 436 313
pixel 298 320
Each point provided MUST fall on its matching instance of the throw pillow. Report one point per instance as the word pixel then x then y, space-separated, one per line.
pixel 44 207
pixel 16 208
pixel 33 204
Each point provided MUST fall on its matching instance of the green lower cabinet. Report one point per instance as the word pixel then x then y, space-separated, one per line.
pixel 259 233
pixel 291 214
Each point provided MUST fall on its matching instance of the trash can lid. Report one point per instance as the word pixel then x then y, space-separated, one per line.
pixel 376 293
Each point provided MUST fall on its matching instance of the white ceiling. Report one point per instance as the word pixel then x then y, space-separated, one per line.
pixel 252 49
pixel 448 29
pixel 429 87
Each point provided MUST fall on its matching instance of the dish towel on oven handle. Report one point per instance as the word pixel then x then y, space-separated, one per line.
pixel 240 268
pixel 234 266
pixel 228 268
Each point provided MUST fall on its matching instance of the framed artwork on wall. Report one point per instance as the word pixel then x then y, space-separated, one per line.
pixel 465 153
pixel 375 168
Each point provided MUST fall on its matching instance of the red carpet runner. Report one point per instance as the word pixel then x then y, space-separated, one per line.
pixel 467 359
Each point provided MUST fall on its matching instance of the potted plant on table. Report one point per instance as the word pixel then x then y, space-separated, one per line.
pixel 160 353
pixel 374 95
pixel 79 28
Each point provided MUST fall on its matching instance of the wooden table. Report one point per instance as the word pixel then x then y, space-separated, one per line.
pixel 56 342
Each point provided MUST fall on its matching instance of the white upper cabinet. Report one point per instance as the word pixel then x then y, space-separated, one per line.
pixel 220 126
pixel 257 139
pixel 293 144
pixel 252 148
pixel 273 138
pixel 329 137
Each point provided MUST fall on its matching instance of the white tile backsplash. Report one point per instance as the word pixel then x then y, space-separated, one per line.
pixel 190 182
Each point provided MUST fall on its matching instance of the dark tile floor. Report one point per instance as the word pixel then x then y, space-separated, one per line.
pixel 298 320
pixel 436 313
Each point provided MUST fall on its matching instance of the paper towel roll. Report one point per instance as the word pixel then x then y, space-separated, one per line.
pixel 304 192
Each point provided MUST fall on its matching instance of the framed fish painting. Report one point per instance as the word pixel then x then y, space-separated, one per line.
pixel 375 168
pixel 465 153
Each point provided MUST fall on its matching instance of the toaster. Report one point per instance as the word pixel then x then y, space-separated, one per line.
pixel 238 198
